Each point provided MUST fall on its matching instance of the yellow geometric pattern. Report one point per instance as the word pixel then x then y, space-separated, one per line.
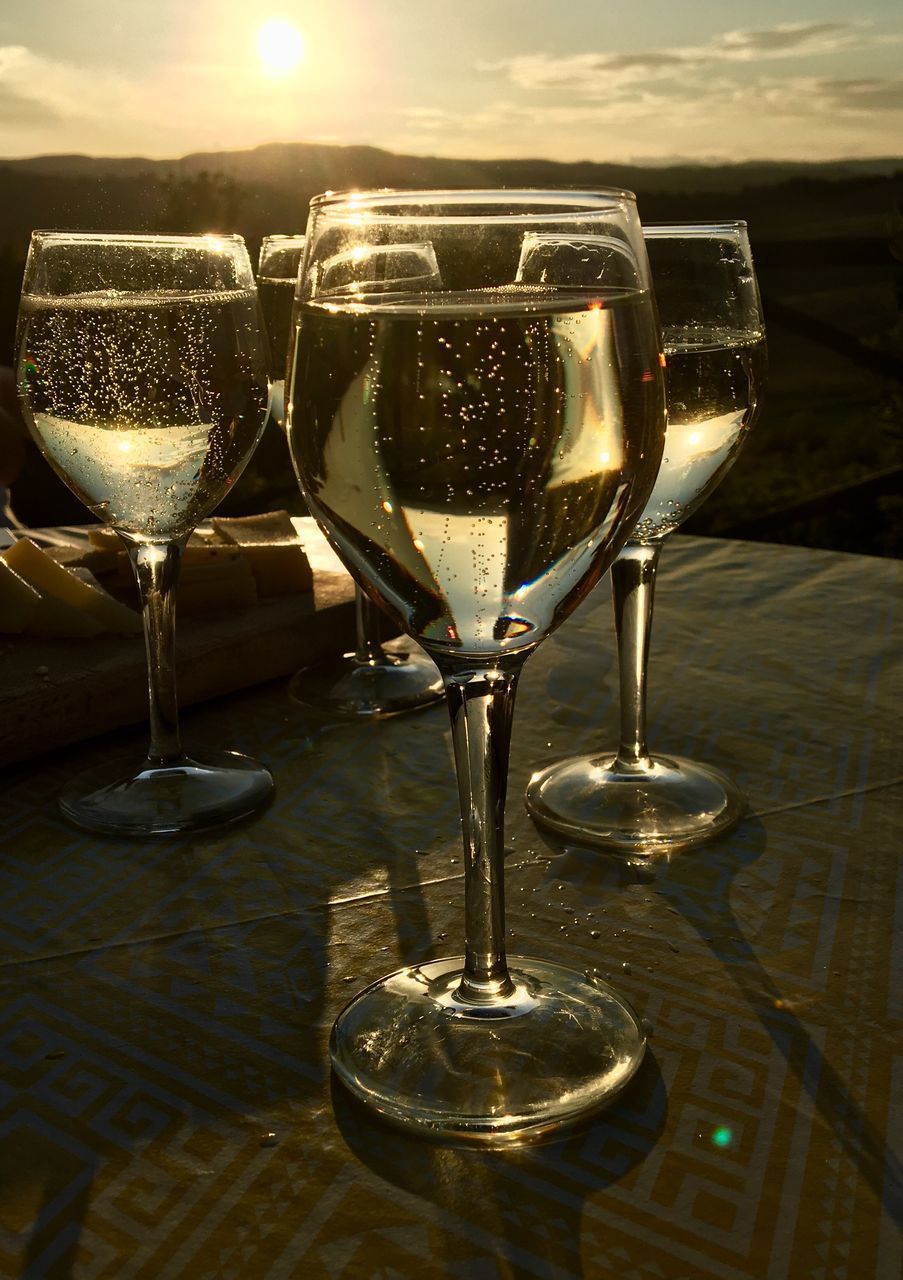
pixel 166 1109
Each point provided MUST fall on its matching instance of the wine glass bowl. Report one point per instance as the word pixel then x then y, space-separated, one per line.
pixel 713 334
pixel 141 376
pixel 146 400
pixel 714 338
pixel 477 452
pixel 484 525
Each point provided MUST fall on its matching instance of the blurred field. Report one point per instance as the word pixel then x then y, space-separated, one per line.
pixel 829 420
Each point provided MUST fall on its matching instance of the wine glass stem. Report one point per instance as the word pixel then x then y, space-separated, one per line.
pixel 367 619
pixel 481 707
pixel 156 567
pixel 633 591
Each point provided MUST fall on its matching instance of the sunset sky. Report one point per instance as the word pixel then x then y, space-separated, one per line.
pixel 650 81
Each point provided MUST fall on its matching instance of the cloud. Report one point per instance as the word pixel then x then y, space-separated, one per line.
pixel 49 105
pixel 596 73
pixel 18 104
pixel 792 40
pixel 711 118
pixel 36 91
pixel 811 99
pixel 24 112
pixel 874 94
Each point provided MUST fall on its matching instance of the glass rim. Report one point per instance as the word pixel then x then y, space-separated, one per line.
pixel 724 226
pixel 139 238
pixel 282 235
pixel 563 202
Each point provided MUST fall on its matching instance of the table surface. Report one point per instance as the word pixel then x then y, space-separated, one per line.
pixel 166 1107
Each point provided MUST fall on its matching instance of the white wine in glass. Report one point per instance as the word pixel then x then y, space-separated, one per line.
pixel 142 379
pixel 477 452
pixel 277 274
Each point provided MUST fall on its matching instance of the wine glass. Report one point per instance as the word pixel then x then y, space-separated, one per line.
pixel 277 273
pixel 714 337
pixel 373 680
pixel 141 373
pixel 506 437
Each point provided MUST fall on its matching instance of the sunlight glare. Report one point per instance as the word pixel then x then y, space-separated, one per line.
pixel 280 46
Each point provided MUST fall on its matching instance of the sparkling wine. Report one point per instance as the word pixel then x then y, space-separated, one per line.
pixel 276 297
pixel 148 405
pixel 476 451
pixel 714 382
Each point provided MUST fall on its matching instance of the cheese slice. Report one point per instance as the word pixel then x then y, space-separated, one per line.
pixel 208 553
pixel 18 601
pixel 56 584
pixel 201 557
pixel 212 576
pixel 104 538
pixel 273 551
pixel 271 527
pixel 24 608
pixel 220 582
pixel 274 559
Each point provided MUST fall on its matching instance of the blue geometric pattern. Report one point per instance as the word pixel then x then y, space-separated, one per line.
pixel 166 1108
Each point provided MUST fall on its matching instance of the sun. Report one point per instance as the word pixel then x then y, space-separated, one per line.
pixel 280 46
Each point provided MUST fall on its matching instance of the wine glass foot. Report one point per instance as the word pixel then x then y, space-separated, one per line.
pixel 346 687
pixel 667 805
pixel 560 1047
pixel 195 794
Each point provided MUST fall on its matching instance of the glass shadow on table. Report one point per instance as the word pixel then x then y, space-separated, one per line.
pixel 522 1205
pixel 198 912
pixel 696 884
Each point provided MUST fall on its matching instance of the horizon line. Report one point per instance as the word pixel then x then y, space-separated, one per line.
pixel 670 162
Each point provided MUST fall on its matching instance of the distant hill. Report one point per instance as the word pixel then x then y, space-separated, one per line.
pixel 268 188
pixel 292 161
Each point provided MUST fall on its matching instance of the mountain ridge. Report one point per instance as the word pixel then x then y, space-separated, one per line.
pixel 278 160
pixel 266 189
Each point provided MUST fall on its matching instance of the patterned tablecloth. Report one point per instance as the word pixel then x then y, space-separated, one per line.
pixel 166 1108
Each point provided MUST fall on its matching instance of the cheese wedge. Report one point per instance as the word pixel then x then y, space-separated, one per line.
pixel 99 562
pixel 274 558
pixel 18 601
pixel 107 543
pixel 270 527
pixel 220 581
pixel 104 538
pixel 23 608
pixel 209 553
pixel 198 557
pixel 273 551
pixel 57 584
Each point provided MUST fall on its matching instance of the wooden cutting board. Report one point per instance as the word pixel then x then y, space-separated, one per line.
pixel 56 692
